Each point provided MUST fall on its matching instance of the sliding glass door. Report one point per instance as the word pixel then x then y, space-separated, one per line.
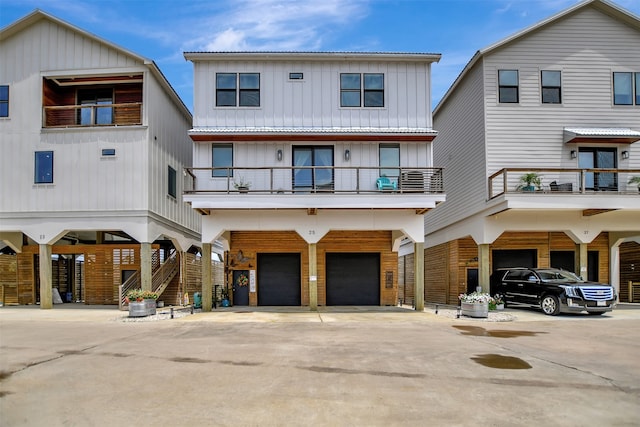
pixel 309 171
pixel 605 158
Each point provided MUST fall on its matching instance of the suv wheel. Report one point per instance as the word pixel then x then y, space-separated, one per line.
pixel 550 305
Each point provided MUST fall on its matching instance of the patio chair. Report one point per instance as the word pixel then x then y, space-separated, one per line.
pixel 384 183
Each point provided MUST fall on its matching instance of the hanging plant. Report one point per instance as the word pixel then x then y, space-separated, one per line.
pixel 242 280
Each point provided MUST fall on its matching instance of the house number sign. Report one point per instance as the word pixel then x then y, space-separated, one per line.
pixel 252 280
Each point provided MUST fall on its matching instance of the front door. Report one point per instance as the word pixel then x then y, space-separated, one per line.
pixel 603 158
pixel 240 287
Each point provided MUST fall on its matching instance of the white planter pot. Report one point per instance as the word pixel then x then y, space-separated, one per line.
pixel 475 309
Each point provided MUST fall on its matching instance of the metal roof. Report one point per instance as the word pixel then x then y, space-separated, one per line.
pixel 313 130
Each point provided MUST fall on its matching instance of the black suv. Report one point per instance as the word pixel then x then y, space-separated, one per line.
pixel 553 290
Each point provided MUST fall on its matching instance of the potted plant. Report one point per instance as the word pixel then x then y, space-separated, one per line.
pixel 242 185
pixel 530 182
pixel 225 297
pixel 498 303
pixel 141 303
pixel 635 180
pixel 475 304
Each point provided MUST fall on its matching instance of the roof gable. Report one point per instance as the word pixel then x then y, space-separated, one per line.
pixel 607 8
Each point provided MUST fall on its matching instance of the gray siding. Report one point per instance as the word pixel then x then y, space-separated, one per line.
pixel 586 47
pixel 460 149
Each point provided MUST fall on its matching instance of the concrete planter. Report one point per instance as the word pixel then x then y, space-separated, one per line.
pixel 475 309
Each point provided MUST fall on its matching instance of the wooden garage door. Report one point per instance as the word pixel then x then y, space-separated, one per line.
pixel 353 279
pixel 279 279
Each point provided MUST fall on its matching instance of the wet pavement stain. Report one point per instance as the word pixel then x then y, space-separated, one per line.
pixel 4 375
pixel 70 352
pixel 116 354
pixel 5 393
pixel 188 360
pixel 236 363
pixel 477 331
pixel 498 361
pixel 330 370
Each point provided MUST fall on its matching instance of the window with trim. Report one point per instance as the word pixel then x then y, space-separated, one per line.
pixel 96 107
pixel 508 90
pixel 4 101
pixel 171 183
pixel 237 89
pixel 626 88
pixel 362 89
pixel 222 160
pixel 551 87
pixel 43 170
pixel 389 158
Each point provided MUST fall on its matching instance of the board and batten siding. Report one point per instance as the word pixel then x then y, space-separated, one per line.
pixel 263 155
pixel 587 47
pixel 315 100
pixel 459 148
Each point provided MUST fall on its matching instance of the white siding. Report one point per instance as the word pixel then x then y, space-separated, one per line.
pixel 133 182
pixel 459 148
pixel 315 101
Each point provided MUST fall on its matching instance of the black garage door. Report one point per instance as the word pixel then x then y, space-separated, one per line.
pixel 279 279
pixel 353 279
pixel 508 258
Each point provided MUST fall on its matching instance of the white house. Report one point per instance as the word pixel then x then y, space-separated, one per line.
pixel 93 142
pixel 560 99
pixel 311 167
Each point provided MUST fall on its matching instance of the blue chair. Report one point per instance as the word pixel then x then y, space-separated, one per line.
pixel 385 183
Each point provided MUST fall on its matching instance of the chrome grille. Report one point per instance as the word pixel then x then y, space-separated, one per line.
pixel 596 293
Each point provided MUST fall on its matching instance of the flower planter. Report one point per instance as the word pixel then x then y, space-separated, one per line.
pixel 475 309
pixel 142 308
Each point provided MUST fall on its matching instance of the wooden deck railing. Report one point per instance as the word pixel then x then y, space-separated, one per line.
pixel 564 181
pixel 313 179
pixel 65 116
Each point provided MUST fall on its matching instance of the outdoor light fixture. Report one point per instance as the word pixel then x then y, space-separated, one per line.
pixel 347 155
pixel 625 154
pixel 574 154
pixel 279 155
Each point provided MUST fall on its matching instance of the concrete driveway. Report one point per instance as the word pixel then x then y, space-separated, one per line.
pixel 352 366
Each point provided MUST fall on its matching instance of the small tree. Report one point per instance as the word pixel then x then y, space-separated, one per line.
pixel 529 182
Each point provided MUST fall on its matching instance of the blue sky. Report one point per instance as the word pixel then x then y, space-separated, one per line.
pixel 163 29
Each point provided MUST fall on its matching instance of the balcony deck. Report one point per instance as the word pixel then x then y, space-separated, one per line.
pixel 314 187
pixel 564 182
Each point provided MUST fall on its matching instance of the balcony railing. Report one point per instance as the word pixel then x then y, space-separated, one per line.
pixel 315 179
pixel 65 116
pixel 563 181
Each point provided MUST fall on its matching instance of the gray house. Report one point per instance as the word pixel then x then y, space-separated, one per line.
pixel 538 138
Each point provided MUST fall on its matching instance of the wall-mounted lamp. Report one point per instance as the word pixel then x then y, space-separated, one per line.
pixel 347 155
pixel 625 154
pixel 574 154
pixel 279 155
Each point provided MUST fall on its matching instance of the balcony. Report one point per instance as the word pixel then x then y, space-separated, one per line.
pixel 564 182
pixel 313 187
pixel 66 116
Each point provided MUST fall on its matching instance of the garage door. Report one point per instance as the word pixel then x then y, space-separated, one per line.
pixel 279 279
pixel 508 258
pixel 353 279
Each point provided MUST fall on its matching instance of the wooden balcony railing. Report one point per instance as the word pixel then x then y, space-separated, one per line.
pixel 64 116
pixel 314 179
pixel 563 181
